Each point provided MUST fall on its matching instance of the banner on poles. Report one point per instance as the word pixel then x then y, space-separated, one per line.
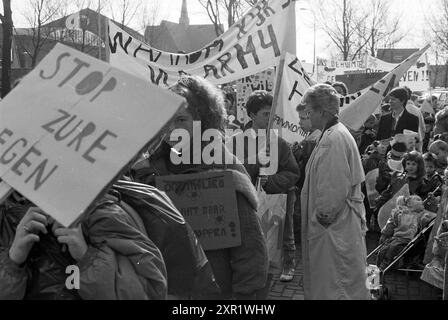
pixel 416 77
pixel 295 81
pixel 327 70
pixel 72 125
pixel 251 45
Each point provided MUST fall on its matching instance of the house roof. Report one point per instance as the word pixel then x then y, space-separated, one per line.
pixel 174 37
pixel 394 55
pixel 92 23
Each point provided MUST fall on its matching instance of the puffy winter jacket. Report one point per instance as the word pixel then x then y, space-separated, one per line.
pixel 239 271
pixel 120 263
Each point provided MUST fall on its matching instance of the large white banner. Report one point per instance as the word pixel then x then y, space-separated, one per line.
pixel 327 70
pixel 355 108
pixel 355 114
pixel 295 81
pixel 251 45
pixel 416 78
pixel 72 125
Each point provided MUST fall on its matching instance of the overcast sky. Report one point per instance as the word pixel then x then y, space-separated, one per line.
pixel 414 15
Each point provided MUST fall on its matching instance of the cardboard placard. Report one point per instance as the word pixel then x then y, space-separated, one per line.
pixel 72 125
pixel 208 203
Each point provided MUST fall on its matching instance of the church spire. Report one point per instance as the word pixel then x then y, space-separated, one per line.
pixel 184 15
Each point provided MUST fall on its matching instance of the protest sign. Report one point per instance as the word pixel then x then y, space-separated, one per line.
pixel 295 81
pixel 386 210
pixel 244 87
pixel 72 125
pixel 208 203
pixel 251 45
pixel 355 114
pixel 417 77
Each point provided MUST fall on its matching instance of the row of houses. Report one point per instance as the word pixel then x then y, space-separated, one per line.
pixel 86 31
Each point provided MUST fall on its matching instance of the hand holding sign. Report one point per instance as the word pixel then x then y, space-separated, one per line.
pixel 74 239
pixel 27 233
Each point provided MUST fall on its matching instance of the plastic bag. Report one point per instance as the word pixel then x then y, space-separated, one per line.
pixel 272 213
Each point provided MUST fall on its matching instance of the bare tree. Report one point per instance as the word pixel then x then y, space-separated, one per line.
pixel 225 10
pixel 7 24
pixel 150 17
pixel 125 11
pixel 438 25
pixel 343 27
pixel 40 13
pixel 379 28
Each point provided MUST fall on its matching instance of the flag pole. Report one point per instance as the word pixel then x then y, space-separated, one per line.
pixel 100 44
pixel 106 39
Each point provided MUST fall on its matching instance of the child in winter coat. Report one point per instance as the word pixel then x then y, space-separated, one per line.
pixel 368 134
pixel 375 157
pixel 433 180
pixel 413 174
pixel 400 229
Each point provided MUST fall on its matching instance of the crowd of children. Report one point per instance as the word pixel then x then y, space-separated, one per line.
pixel 421 164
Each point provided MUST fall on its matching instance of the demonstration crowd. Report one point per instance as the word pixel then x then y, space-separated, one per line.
pixel 129 244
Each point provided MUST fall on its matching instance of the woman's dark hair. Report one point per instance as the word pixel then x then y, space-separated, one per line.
pixel 205 101
pixel 416 157
pixel 401 94
pixel 258 100
pixel 431 157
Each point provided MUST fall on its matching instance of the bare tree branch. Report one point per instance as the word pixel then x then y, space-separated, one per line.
pixel 227 10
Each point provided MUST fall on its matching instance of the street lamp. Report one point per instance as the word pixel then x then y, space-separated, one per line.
pixel 314 29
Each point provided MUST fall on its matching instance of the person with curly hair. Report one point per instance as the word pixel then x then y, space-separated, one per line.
pixel 240 271
pixel 413 174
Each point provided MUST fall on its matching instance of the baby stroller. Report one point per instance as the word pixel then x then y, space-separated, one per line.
pixel 378 289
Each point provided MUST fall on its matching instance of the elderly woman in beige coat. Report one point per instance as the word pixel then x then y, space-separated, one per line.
pixel 333 215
